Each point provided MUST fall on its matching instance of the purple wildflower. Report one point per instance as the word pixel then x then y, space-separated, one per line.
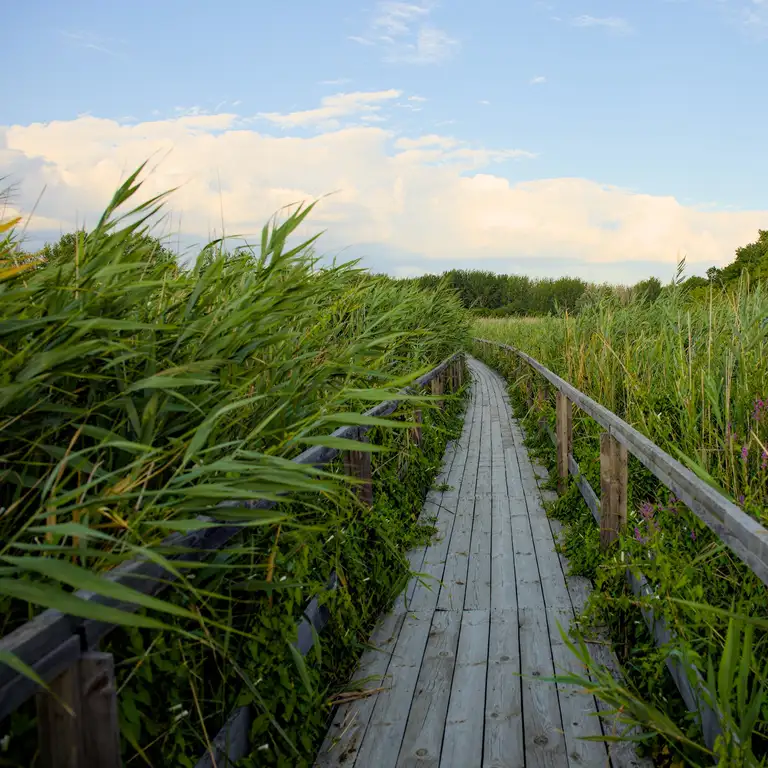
pixel 744 452
pixel 760 408
pixel 740 500
pixel 693 535
pixel 764 463
pixel 647 510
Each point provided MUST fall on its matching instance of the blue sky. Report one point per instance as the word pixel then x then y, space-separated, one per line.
pixel 662 101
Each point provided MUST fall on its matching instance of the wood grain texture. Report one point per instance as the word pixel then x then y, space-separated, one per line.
pixel 564 433
pixel 613 489
pixel 384 735
pixel 423 739
pixel 463 738
pixel 58 730
pixel 98 706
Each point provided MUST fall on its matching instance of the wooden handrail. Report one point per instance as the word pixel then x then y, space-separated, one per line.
pixel 746 538
pixel 685 674
pixel 52 641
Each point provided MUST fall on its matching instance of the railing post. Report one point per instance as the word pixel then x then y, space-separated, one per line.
pixel 541 398
pixel 98 697
pixel 564 430
pixel 460 372
pixel 58 730
pixel 89 737
pixel 358 464
pixel 416 431
pixel 437 389
pixel 613 489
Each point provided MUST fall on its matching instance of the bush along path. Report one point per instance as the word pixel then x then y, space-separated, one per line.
pixel 136 394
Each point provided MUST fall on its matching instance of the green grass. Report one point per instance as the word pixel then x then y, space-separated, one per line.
pixel 136 394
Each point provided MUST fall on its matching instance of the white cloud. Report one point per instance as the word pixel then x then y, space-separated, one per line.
pixel 613 23
pixel 538 80
pixel 416 98
pixel 430 140
pixel 431 196
pixel 404 35
pixel 484 102
pixel 364 103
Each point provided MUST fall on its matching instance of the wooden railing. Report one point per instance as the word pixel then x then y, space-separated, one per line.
pixel 744 536
pixel 61 649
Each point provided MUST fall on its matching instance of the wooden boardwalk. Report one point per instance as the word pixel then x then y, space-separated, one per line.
pixel 461 657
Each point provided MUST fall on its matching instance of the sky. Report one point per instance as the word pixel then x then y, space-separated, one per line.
pixel 597 139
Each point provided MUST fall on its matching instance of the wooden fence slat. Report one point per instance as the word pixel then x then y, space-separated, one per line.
pixel 98 704
pixel 613 489
pixel 358 464
pixel 58 730
pixel 564 439
pixel 416 431
pixel 437 389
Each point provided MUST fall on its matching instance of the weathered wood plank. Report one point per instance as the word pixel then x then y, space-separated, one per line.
pixel 384 735
pixel 423 739
pixel 342 742
pixel 613 489
pixel 504 742
pixel 564 439
pixel 478 589
pixel 98 707
pixel 453 588
pixel 59 731
pixel 463 738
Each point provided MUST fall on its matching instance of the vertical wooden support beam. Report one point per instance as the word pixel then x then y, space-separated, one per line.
pixel 416 431
pixel 98 697
pixel 437 389
pixel 58 730
pixel 90 736
pixel 358 464
pixel 613 489
pixel 460 372
pixel 564 431
pixel 541 398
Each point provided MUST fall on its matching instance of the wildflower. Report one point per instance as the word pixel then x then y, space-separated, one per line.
pixel 744 452
pixel 740 500
pixel 647 510
pixel 764 463
pixel 693 535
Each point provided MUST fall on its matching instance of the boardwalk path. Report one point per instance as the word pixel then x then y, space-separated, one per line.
pixel 461 653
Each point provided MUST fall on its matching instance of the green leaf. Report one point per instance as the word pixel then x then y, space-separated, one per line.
pixel 343 444
pixel 360 419
pixel 81 578
pixel 49 596
pixel 301 666
pixel 168 382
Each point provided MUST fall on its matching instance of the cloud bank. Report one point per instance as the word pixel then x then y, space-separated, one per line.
pixel 434 197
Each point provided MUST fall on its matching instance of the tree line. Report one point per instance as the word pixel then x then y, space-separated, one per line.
pixel 493 295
